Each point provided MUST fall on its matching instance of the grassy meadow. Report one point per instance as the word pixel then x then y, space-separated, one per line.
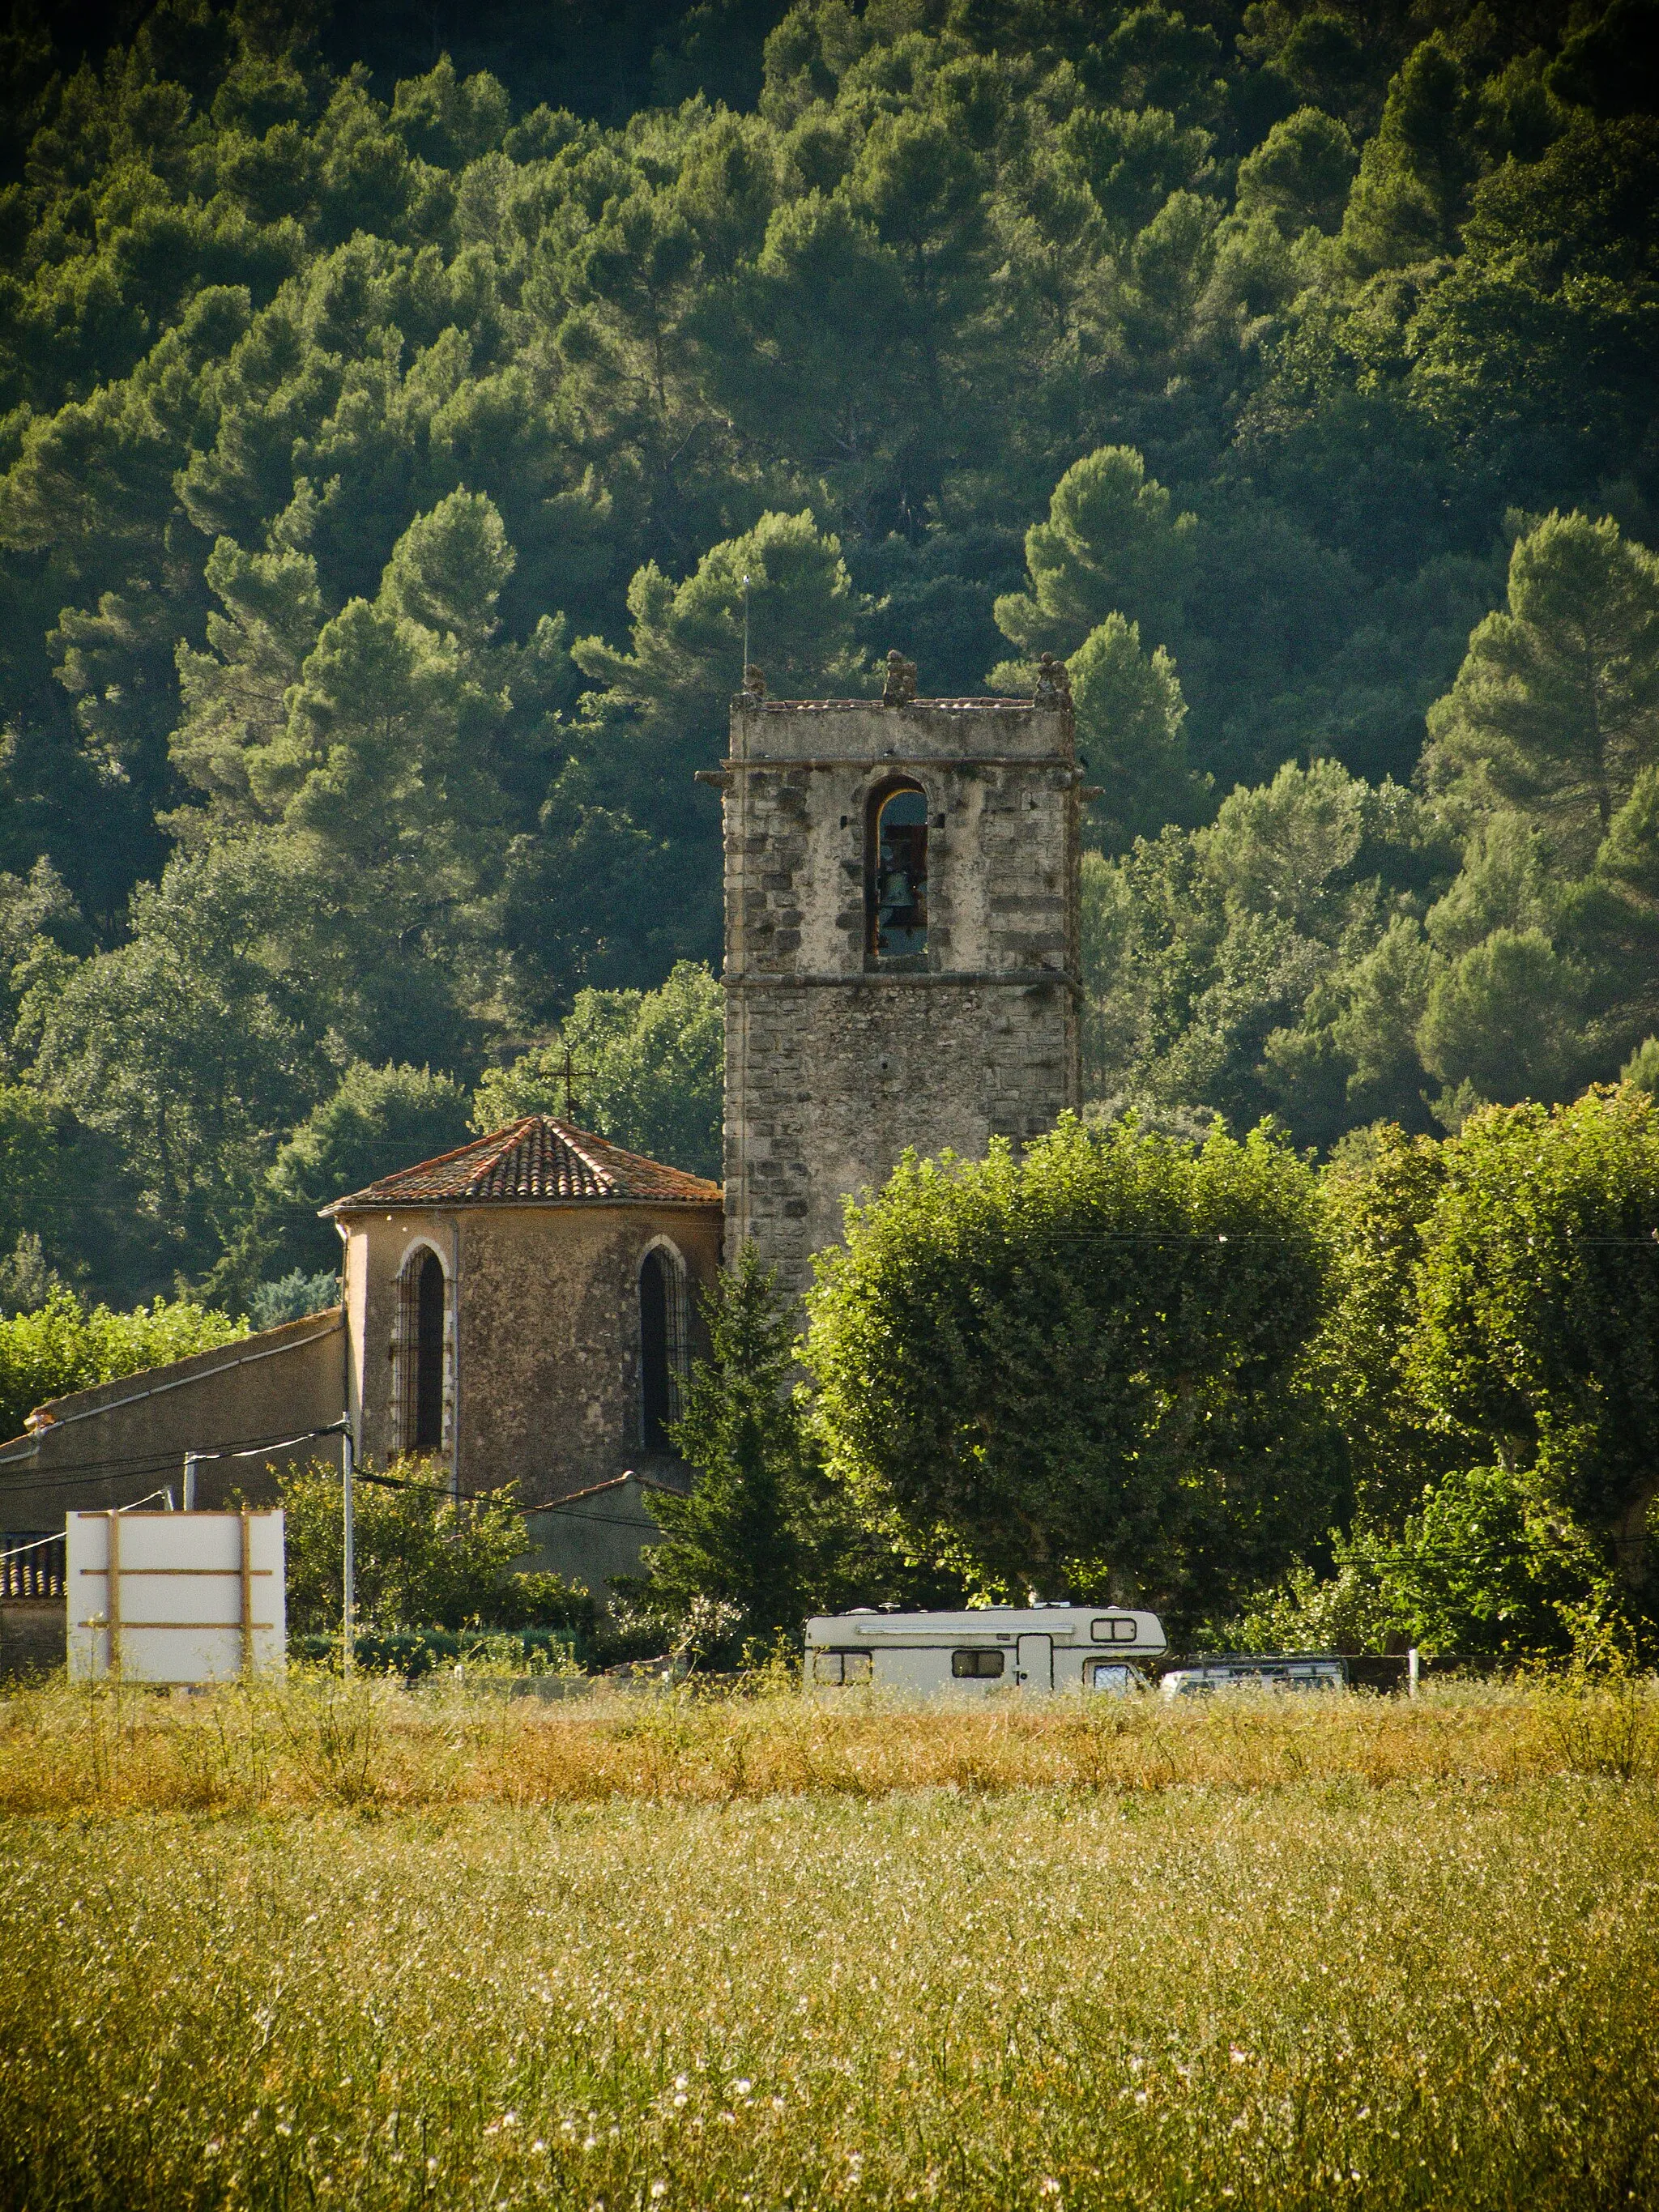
pixel 340 1945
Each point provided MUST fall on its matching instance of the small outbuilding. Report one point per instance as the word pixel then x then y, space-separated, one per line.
pixel 526 1307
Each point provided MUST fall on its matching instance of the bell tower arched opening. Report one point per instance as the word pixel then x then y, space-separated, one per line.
pixel 895 873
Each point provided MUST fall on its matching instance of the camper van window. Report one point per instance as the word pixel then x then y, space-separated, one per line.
pixel 1113 1628
pixel 977 1666
pixel 1114 1677
pixel 841 1666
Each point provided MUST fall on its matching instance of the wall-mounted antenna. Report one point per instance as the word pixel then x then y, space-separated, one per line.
pixel 745 629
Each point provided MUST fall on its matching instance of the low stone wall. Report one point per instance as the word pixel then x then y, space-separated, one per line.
pixel 595 1536
pixel 32 1635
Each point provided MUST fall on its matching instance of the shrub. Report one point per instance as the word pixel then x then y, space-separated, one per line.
pixel 422 1563
pixel 61 1347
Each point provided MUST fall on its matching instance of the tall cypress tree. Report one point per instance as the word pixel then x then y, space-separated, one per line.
pixel 734 1539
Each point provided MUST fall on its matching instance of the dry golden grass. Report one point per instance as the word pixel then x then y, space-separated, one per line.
pixel 316 1740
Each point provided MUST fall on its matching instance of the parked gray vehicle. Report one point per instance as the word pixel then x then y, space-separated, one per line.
pixel 1250 1670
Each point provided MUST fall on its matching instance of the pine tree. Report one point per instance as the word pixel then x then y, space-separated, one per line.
pixel 1556 708
pixel 732 1539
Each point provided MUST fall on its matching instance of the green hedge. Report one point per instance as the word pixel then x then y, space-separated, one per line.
pixel 413 1652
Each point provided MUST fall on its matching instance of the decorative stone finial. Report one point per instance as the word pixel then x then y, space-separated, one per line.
pixel 901 686
pixel 1053 684
pixel 753 686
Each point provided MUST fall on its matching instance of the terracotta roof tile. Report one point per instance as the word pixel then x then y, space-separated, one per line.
pixel 534 1162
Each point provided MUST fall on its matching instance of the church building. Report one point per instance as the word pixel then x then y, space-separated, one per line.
pixel 525 1308
pixel 902 970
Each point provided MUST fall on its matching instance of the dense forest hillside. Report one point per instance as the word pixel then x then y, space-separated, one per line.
pixel 393 403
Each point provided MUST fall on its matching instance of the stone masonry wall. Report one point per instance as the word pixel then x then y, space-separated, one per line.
pixel 549 1371
pixel 836 1062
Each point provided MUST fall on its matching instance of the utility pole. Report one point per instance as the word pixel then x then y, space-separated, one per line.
pixel 349 1569
pixel 190 1458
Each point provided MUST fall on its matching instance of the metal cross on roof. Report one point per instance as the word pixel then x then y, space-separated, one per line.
pixel 568 1075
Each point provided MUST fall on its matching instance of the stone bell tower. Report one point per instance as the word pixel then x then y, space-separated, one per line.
pixel 902 942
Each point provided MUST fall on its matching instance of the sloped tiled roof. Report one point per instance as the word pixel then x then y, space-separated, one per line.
pixel 534 1162
pixel 646 1481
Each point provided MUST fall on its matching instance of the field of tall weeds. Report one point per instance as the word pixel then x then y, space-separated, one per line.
pixel 336 1945
pixel 317 1739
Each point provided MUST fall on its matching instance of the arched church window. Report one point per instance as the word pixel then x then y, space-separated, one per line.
pixel 662 1349
pixel 896 882
pixel 421 1342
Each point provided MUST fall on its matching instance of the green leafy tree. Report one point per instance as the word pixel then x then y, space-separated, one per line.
pixel 1502 1022
pixel 662 713
pixel 1262 964
pixel 372 753
pixel 377 1120
pixel 1373 1030
pixel 652 1070
pixel 776 354
pixel 686 656
pixel 63 1346
pixel 117 666
pixel 1299 175
pixel 1509 880
pixel 234 696
pixel 1083 1367
pixel 1130 715
pixel 1608 63
pixel 1381 1191
pixel 921 184
pixel 32 1192
pixel 448 120
pixel 1113 544
pixel 27 1282
pixel 188 1045
pixel 1263 619
pixel 1342 1611
pixel 448 570
pixel 422 1562
pixel 1530 356
pixel 1556 708
pixel 293 1297
pixel 382 754
pixel 1538 1300
pixel 765 1538
pixel 326 420
pixel 1489 1568
pixel 1415 175
pixel 1495 1310
pixel 1611 920
pixel 1484 1569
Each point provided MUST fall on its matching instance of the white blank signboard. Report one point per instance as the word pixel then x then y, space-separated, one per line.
pixel 175 1597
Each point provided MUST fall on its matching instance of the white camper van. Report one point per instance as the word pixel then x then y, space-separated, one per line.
pixel 1031 1651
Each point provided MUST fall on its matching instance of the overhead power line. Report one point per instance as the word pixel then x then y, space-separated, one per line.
pixel 154 1462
